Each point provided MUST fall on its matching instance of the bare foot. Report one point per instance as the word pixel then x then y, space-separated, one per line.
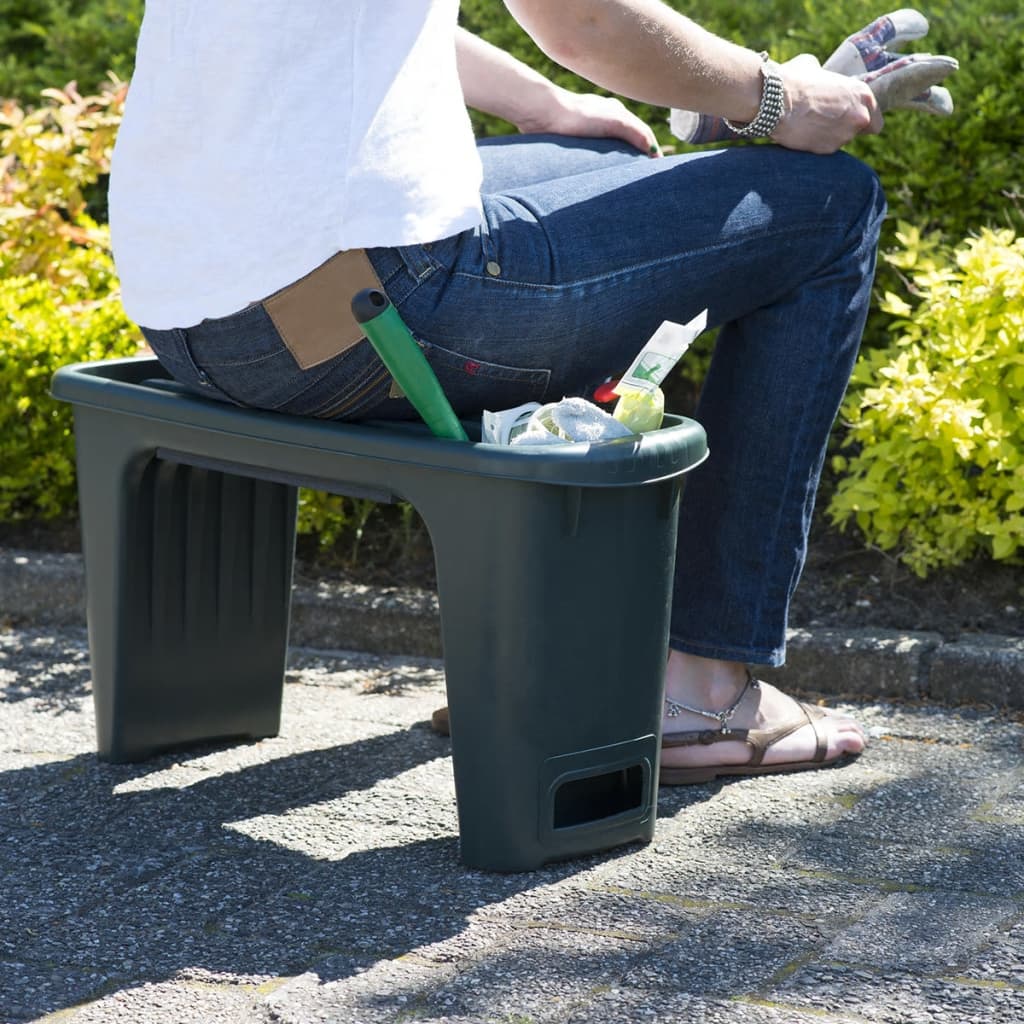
pixel 714 686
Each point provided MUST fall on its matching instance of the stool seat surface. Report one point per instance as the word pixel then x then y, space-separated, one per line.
pixel 140 387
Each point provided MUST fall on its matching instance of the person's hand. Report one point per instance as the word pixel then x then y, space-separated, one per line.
pixel 899 82
pixel 591 116
pixel 824 110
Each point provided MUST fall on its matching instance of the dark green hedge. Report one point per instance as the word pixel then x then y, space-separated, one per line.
pixel 48 43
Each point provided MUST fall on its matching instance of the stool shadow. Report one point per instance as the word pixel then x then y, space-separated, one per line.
pixel 108 885
pixel 37 674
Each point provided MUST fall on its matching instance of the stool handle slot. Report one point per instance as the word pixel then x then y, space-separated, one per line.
pixel 278 476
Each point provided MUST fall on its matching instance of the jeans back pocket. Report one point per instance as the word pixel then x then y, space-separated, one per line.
pixel 474 384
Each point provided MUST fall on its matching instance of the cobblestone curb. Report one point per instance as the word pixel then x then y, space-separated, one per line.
pixel 49 589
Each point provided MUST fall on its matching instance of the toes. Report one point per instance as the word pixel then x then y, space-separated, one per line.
pixel 849 729
pixel 845 737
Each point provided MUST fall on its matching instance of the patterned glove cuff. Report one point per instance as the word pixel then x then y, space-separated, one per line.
pixel 772 107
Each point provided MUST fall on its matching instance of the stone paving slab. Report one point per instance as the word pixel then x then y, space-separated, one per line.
pixel 630 1006
pixel 896 997
pixel 314 877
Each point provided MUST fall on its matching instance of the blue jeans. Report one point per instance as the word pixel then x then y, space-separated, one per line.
pixel 585 248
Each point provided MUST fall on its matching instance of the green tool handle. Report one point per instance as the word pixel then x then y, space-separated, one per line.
pixel 406 362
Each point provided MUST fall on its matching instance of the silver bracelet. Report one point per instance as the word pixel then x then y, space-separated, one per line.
pixel 769 114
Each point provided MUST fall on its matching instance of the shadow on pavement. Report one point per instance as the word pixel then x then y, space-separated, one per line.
pixel 113 885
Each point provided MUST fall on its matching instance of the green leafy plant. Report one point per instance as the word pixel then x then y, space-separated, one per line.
pixel 43 326
pixel 51 42
pixel 59 297
pixel 335 519
pixel 49 158
pixel 935 431
pixel 952 178
pixel 344 529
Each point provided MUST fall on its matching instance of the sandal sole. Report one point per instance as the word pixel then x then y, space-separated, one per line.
pixel 708 773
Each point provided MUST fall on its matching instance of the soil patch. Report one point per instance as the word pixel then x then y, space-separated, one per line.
pixel 848 586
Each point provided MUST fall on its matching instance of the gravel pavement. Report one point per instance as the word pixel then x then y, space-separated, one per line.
pixel 314 877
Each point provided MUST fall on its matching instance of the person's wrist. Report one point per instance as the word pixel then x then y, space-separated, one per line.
pixel 772 107
pixel 538 105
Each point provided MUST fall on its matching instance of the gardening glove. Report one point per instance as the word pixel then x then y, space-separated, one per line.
pixel 899 82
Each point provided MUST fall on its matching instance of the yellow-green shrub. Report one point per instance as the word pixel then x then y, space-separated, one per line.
pixel 58 294
pixel 341 525
pixel 936 420
pixel 44 326
pixel 60 303
pixel 49 158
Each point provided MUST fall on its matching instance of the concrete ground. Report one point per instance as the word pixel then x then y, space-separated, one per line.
pixel 315 876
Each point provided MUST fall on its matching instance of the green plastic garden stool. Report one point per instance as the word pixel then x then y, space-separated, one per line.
pixel 554 574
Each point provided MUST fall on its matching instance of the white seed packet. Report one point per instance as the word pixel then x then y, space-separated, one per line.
pixel 664 349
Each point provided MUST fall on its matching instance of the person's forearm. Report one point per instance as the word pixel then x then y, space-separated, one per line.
pixel 494 82
pixel 644 50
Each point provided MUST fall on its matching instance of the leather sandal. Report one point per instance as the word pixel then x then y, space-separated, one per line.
pixel 440 723
pixel 759 741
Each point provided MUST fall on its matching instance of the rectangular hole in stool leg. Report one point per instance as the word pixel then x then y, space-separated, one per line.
pixel 597 797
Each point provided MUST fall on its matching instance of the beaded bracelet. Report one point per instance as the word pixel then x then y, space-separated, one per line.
pixel 772 107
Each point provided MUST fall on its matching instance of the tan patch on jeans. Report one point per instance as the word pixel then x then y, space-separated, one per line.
pixel 314 315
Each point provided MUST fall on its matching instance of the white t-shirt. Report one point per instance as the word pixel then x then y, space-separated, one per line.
pixel 260 137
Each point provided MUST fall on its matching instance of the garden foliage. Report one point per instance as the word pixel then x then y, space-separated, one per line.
pixel 935 422
pixel 50 157
pixel 46 43
pixel 953 174
pixel 929 463
pixel 58 293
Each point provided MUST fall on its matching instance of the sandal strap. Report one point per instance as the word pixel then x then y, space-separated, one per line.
pixel 705 737
pixel 759 740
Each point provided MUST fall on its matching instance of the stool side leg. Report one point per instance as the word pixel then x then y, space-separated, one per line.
pixel 188 583
pixel 554 614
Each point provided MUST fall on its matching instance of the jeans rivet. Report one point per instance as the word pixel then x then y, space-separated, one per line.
pixel 492 268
